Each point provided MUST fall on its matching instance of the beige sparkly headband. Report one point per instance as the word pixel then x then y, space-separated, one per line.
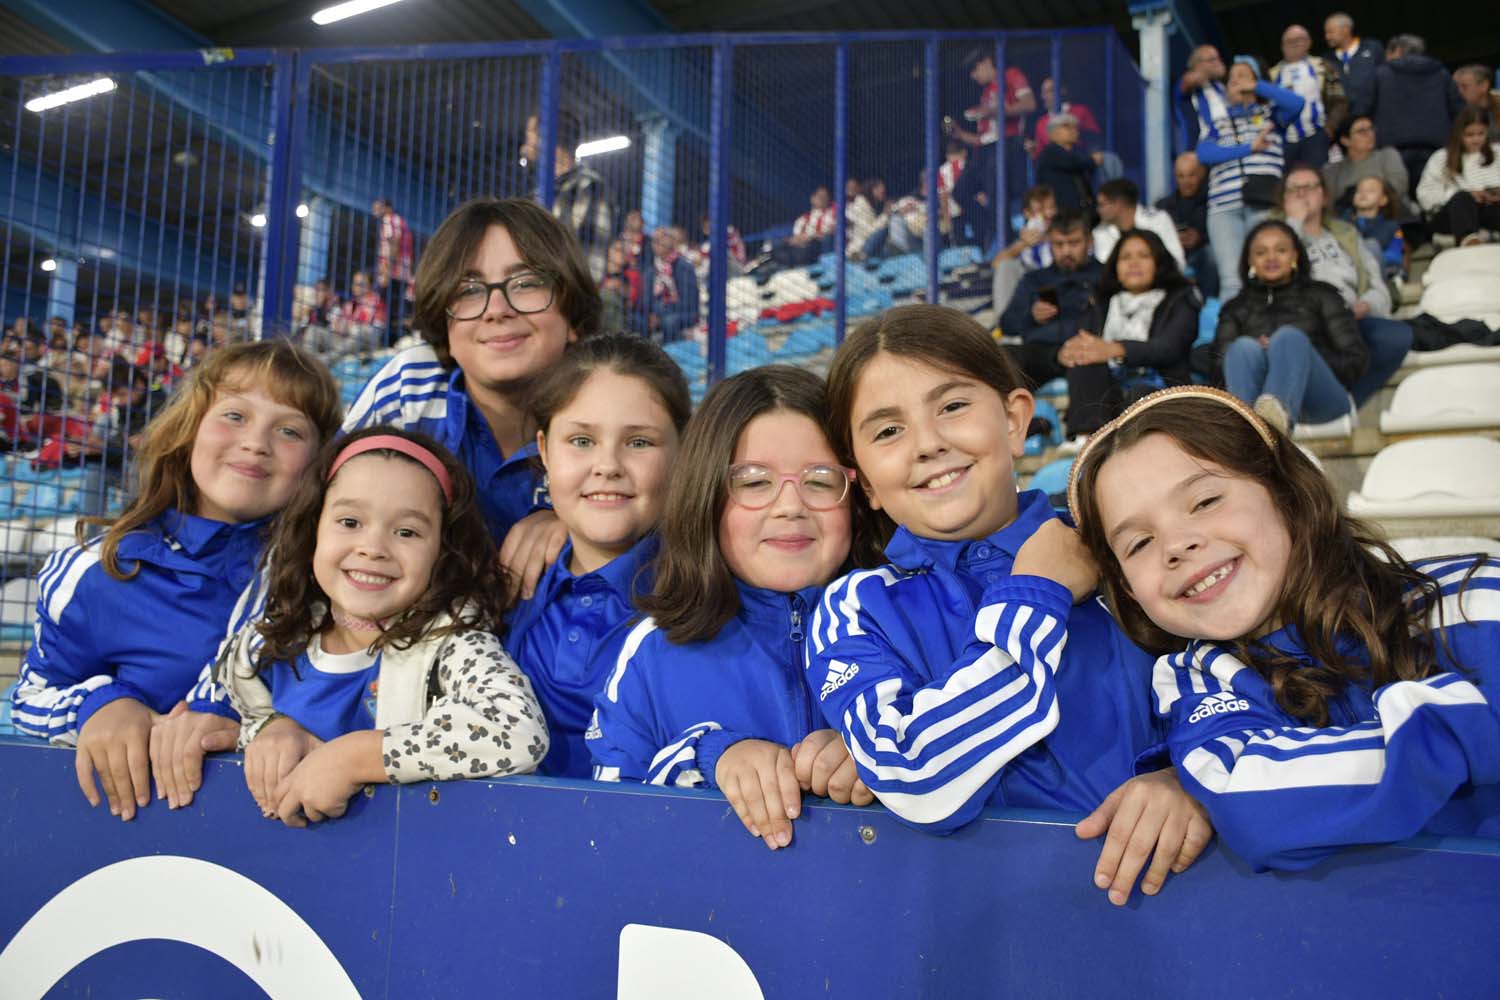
pixel 1142 405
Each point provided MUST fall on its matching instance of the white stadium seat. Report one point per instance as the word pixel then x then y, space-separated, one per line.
pixel 1455 476
pixel 18 601
pixel 1464 262
pixel 1466 297
pixel 1458 397
pixel 1427 548
pixel 52 535
pixel 1458 354
pixel 793 285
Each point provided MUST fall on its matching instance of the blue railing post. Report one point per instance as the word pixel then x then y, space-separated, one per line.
pixel 546 126
pixel 840 180
pixel 718 208
pixel 1110 42
pixel 934 130
pixel 290 116
pixel 1057 80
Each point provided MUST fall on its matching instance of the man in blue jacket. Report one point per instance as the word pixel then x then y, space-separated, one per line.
pixel 1051 303
pixel 1415 103
pixel 1357 59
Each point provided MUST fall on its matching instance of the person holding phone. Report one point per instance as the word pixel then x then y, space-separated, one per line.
pixel 1050 304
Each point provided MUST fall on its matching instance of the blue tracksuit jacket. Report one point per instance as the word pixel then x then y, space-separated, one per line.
pixel 956 685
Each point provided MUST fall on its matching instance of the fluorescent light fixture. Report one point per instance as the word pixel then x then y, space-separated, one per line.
pixel 49 264
pixel 301 211
pixel 596 146
pixel 83 91
pixel 258 220
pixel 353 8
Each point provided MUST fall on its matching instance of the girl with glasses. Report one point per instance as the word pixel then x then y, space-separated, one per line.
pixel 975 668
pixel 501 291
pixel 709 691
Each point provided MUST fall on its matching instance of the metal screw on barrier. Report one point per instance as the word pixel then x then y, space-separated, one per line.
pixel 369 791
pixel 432 795
pixel 867 834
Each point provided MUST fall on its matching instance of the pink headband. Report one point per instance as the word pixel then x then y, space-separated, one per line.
pixel 391 442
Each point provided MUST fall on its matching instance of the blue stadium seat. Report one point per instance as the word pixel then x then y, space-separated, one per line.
pixel 689 357
pixel 1052 478
pixel 6 729
pixel 1208 322
pixel 1057 387
pixel 955 257
pixel 1038 443
pixel 748 350
pixel 806 341
pixel 43 500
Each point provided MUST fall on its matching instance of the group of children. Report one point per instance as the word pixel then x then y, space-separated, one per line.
pixel 803 587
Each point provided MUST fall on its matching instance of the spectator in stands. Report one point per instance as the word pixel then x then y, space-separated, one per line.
pixel 1065 168
pixel 907 232
pixel 239 313
pixel 197 349
pixel 1357 59
pixel 1460 185
pixel 116 433
pixel 30 387
pixel 1030 251
pixel 1288 343
pixel 950 174
pixel 1339 257
pixel 1362 158
pixel 1313 79
pixel 633 232
pixel 1201 88
pixel 1415 102
pixel 1473 84
pixel 812 233
pixel 393 265
pixel 1188 207
pixel 978 189
pixel 620 292
pixel 860 218
pixel 1375 215
pixel 734 244
pixel 204 326
pixel 674 304
pixel 57 334
pixel 1086 120
pixel 1120 210
pixel 877 223
pixel 42 394
pixel 359 324
pixel 1054 303
pixel 1146 318
pixel 317 331
pixel 581 197
pixel 1241 146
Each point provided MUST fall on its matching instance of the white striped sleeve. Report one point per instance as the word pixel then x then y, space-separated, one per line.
pixel 931 740
pixel 412 387
pixel 63 667
pixel 1285 795
pixel 619 735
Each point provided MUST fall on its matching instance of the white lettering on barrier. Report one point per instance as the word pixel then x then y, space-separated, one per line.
pixel 665 963
pixel 167 897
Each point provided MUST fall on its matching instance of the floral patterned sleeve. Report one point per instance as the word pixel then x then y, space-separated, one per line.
pixel 485 721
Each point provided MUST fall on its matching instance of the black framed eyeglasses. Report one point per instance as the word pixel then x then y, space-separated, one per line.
pixel 821 487
pixel 525 292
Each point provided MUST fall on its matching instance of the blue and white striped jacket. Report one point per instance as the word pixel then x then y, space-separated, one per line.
pixel 98 639
pixel 1407 757
pixel 1226 136
pixel 667 712
pixel 957 686
pixel 414 392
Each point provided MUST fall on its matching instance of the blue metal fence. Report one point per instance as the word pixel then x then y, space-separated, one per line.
pixel 204 195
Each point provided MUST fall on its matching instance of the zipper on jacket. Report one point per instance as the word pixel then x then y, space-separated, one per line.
pixel 799 682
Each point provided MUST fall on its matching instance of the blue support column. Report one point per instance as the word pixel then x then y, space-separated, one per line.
pixel 281 253
pixel 933 131
pixel 719 125
pixel 546 147
pixel 1057 80
pixel 62 289
pixel 840 173
pixel 659 171
pixel 312 249
pixel 1152 24
pixel 1110 43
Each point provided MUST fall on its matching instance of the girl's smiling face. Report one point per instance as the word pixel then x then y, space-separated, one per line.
pixel 248 454
pixel 1205 553
pixel 607 453
pixel 1273 257
pixel 785 546
pixel 934 447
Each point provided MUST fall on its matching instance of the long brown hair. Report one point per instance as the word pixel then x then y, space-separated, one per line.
pixel 1469 116
pixel 694 595
pixel 467 581
pixel 934 335
pixel 284 371
pixel 1342 582
pixel 541 240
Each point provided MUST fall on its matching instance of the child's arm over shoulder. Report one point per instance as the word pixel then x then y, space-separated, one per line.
pixel 485 722
pixel 932 739
pixel 410 387
pixel 66 675
pixel 622 736
pixel 1285 795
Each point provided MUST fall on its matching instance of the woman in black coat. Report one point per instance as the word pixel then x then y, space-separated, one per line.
pixel 1289 345
pixel 1145 315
